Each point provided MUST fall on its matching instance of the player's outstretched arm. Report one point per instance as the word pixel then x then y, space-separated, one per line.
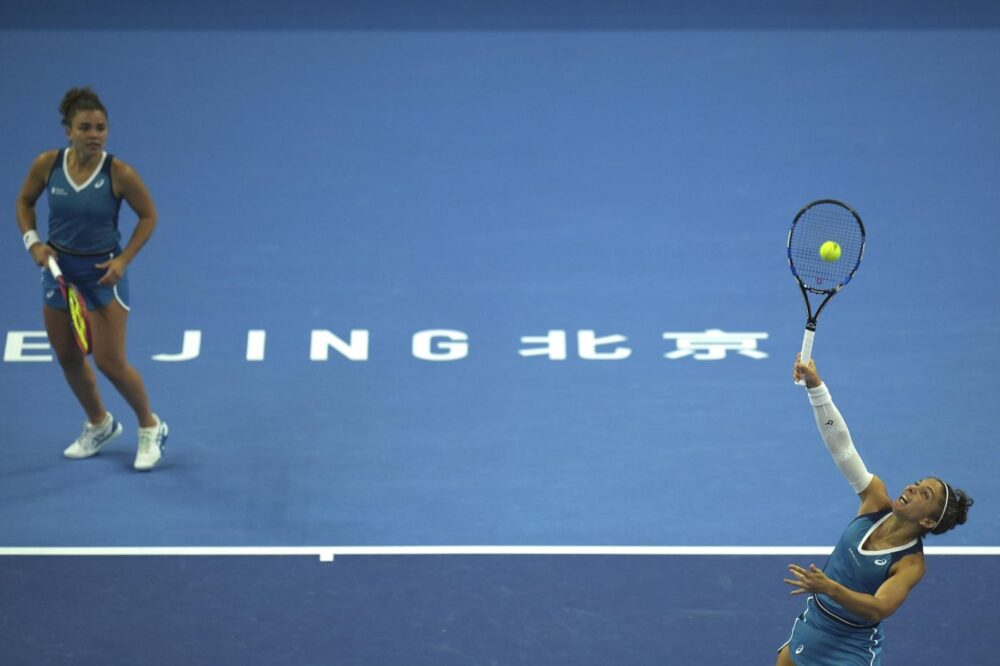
pixel 837 438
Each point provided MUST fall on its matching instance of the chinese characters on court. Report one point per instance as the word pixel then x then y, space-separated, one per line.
pixel 445 345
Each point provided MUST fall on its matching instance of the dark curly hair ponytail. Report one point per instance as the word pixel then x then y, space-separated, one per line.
pixel 79 99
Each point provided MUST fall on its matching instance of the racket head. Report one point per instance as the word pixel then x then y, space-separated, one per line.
pixel 80 318
pixel 818 222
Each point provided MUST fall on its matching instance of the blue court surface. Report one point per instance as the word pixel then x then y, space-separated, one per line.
pixel 490 306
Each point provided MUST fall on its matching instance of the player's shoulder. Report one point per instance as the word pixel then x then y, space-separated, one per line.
pixel 120 167
pixel 45 160
pixel 123 173
pixel 41 168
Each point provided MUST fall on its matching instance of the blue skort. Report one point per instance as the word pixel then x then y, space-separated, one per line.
pixel 80 270
pixel 818 640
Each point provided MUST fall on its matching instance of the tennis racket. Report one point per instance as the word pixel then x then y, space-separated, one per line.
pixel 77 308
pixel 820 268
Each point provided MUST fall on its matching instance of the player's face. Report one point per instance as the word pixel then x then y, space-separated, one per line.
pixel 87 133
pixel 921 502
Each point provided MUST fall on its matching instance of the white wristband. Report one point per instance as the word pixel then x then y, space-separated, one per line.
pixel 30 238
pixel 819 395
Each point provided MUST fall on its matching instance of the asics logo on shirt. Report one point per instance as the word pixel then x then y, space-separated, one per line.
pixel 99 184
pixel 58 191
pixel 881 562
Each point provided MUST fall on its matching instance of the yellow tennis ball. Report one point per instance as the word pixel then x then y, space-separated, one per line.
pixel 830 251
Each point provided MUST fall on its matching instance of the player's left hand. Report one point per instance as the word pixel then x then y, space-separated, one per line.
pixel 114 271
pixel 808 581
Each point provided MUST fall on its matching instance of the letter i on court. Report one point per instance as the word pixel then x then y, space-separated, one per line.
pixel 256 340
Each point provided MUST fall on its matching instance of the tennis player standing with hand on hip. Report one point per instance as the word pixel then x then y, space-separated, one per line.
pixel 878 559
pixel 85 187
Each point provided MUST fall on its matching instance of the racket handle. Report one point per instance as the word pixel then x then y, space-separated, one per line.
pixel 54 268
pixel 807 349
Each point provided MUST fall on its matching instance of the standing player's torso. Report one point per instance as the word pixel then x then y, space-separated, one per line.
pixel 83 209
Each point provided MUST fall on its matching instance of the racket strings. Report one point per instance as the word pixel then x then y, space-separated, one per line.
pixel 78 317
pixel 818 224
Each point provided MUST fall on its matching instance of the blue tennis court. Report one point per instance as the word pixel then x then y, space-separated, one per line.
pixel 490 306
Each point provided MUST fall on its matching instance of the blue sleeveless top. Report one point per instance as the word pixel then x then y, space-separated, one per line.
pixel 859 569
pixel 83 218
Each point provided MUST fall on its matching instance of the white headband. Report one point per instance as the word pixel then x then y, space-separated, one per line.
pixel 945 507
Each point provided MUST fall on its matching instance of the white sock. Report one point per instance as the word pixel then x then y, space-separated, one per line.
pixel 103 425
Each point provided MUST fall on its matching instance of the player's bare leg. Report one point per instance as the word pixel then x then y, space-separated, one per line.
pixel 109 324
pixel 73 362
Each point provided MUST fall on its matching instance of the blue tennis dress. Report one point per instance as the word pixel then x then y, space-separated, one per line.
pixel 826 634
pixel 83 228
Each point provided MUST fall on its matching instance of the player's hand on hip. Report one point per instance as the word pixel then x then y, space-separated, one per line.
pixel 114 271
pixel 806 371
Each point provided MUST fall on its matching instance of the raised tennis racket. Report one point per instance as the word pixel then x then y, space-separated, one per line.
pixel 77 308
pixel 825 246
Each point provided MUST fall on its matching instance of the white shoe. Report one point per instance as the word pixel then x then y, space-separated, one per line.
pixel 151 441
pixel 93 438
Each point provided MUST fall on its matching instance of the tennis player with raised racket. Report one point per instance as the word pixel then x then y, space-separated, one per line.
pixel 879 557
pixel 85 187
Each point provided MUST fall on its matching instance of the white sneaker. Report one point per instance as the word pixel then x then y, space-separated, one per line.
pixel 93 438
pixel 151 441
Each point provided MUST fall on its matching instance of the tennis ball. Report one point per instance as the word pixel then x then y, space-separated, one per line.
pixel 830 251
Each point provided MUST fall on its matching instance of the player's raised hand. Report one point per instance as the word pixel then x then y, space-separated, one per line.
pixel 806 371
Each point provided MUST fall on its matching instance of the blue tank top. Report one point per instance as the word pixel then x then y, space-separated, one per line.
pixel 83 218
pixel 859 569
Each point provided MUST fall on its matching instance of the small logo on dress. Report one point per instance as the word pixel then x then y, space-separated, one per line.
pixel 99 184
pixel 799 649
pixel 50 293
pixel 881 562
pixel 58 191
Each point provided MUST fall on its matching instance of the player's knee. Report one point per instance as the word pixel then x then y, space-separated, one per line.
pixel 112 366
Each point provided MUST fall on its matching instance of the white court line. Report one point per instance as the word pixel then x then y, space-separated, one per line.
pixel 327 553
